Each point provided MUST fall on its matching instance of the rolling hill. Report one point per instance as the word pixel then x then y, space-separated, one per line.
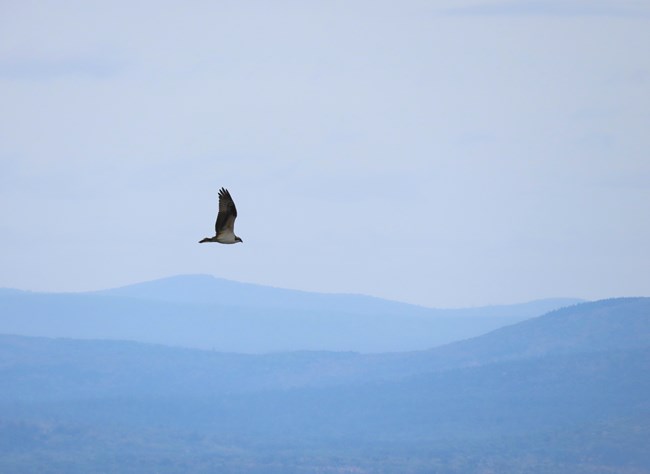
pixel 616 325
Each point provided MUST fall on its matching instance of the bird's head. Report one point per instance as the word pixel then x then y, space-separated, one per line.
pixel 238 239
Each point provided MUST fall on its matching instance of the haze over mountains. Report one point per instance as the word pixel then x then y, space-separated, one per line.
pixel 566 392
pixel 200 311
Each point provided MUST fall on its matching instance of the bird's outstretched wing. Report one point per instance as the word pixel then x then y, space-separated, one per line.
pixel 227 213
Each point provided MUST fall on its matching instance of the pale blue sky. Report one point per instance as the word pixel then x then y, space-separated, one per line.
pixel 441 153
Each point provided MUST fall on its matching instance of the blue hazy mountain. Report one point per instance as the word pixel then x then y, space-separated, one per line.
pixel 206 289
pixel 564 392
pixel 209 313
pixel 615 325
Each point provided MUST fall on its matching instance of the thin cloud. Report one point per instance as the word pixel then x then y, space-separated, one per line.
pixel 554 8
pixel 41 69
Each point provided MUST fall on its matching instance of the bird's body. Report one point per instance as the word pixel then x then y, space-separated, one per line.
pixel 223 238
pixel 225 225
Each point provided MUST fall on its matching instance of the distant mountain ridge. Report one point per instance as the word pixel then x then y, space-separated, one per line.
pixel 206 289
pixel 199 311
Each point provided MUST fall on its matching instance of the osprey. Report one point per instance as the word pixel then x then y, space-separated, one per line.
pixel 225 225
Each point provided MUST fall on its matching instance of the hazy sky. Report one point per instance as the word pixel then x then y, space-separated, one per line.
pixel 448 153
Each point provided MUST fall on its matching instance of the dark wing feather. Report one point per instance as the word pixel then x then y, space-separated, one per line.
pixel 227 212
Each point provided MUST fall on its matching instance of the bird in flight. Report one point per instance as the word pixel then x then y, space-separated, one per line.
pixel 225 225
